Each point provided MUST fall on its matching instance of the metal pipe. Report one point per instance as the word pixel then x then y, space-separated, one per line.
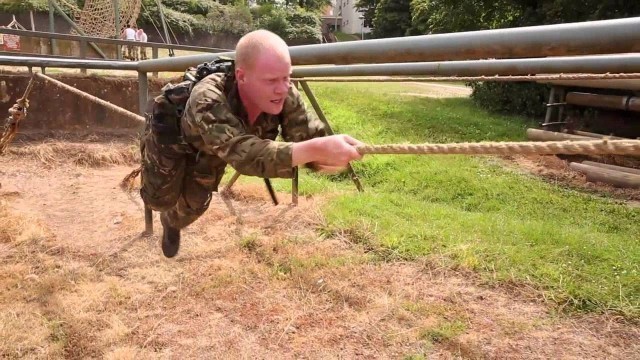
pixel 116 13
pixel 320 113
pixel 595 37
pixel 52 27
pixel 622 63
pixel 628 103
pixel 294 187
pixel 116 10
pixel 67 63
pixel 143 96
pixel 164 26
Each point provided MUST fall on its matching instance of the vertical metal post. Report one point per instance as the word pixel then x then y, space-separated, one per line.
pixel 42 69
pixel 316 107
pixel 52 28
pixel 116 13
pixel 143 95
pixel 83 53
pixel 33 25
pixel 552 97
pixel 154 55
pixel 294 187
pixel 562 94
pixel 164 26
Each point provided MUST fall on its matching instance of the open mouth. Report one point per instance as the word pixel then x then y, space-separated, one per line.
pixel 278 101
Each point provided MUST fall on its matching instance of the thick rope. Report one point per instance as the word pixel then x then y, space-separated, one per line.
pixel 17 113
pixel 595 147
pixel 498 78
pixel 126 113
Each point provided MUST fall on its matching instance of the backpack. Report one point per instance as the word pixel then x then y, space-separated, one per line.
pixel 167 109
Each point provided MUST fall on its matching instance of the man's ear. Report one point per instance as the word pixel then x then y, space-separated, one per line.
pixel 240 75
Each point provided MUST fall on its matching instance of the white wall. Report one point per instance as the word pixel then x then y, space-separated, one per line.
pixel 351 23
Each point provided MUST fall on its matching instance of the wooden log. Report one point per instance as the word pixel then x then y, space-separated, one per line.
pixel 544 135
pixel 612 177
pixel 612 167
pixel 628 103
pixel 597 136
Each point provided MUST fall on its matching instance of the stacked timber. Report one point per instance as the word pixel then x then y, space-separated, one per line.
pixel 544 135
pixel 618 176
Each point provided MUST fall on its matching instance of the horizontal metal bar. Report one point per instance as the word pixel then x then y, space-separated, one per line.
pixel 48 35
pixel 68 63
pixel 595 37
pixel 15 54
pixel 552 65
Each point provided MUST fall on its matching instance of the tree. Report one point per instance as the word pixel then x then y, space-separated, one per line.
pixel 392 19
pixel 368 10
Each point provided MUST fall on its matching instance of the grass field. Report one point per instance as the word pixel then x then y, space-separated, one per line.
pixel 475 213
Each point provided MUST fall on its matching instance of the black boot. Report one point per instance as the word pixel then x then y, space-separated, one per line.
pixel 170 239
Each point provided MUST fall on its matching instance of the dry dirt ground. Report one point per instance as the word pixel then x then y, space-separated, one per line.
pixel 251 281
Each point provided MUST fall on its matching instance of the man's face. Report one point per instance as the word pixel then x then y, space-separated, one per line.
pixel 266 83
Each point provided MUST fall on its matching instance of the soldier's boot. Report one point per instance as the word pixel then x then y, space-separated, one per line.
pixel 170 238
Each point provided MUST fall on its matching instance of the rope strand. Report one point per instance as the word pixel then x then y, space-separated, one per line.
pixel 600 147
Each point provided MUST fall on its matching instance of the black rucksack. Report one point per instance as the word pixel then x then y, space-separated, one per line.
pixel 168 107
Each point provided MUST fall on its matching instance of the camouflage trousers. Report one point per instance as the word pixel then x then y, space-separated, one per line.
pixel 177 181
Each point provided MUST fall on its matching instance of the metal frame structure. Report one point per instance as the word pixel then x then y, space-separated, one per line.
pixel 416 55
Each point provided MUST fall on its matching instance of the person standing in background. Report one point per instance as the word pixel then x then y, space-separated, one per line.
pixel 141 36
pixel 129 34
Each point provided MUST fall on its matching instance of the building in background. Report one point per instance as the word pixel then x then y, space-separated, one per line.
pixel 343 16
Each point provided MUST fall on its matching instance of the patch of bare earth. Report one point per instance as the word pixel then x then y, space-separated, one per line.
pixel 556 170
pixel 251 281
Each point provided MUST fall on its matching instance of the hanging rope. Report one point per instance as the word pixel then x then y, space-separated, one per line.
pixel 595 147
pixel 17 113
pixel 126 113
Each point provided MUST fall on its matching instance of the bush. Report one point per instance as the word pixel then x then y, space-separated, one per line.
pixel 521 98
pixel 195 7
pixel 290 24
pixel 229 19
pixel 20 6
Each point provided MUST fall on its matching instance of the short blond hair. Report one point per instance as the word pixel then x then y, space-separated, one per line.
pixel 254 43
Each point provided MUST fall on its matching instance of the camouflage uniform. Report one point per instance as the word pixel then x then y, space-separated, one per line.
pixel 178 179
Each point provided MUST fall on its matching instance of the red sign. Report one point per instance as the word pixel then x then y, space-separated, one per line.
pixel 11 42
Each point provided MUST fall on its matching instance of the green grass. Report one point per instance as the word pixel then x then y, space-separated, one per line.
pixel 475 213
pixel 346 37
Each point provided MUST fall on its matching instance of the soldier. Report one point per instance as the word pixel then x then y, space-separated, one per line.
pixel 234 119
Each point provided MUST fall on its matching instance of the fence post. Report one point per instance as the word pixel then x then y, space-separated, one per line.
pixel 83 53
pixel 154 55
pixel 143 94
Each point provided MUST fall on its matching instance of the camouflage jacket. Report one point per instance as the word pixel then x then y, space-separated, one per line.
pixel 216 123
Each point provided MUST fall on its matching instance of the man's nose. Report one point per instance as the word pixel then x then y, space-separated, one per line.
pixel 283 87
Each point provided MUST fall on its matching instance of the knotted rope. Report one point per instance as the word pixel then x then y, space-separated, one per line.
pixel 17 113
pixel 589 147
